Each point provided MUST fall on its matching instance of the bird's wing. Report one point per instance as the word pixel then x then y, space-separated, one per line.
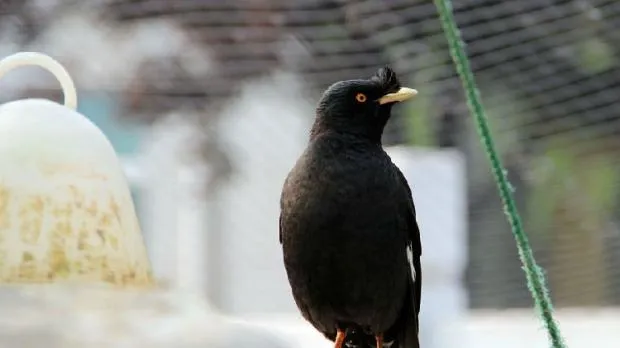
pixel 409 331
pixel 405 330
pixel 415 246
pixel 412 224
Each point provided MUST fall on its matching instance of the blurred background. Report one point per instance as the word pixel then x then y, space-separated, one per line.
pixel 208 104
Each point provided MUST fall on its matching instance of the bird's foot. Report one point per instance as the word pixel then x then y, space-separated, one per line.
pixel 340 336
pixel 379 339
pixel 349 344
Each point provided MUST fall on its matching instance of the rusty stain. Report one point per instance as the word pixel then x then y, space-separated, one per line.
pixel 92 209
pixel 30 274
pixel 129 277
pixel 83 237
pixel 27 256
pixel 81 244
pixel 105 220
pixel 62 211
pixel 113 241
pixel 62 229
pixel 59 265
pixel 115 209
pixel 37 204
pixel 30 230
pixel 27 269
pixel 101 234
pixel 5 196
pixel 103 259
pixel 31 216
pixel 104 263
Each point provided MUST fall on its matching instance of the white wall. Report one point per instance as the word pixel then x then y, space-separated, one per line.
pixel 266 130
pixel 172 205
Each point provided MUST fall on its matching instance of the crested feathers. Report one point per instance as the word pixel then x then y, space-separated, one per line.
pixel 386 78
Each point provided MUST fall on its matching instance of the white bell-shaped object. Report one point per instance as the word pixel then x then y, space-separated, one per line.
pixel 66 213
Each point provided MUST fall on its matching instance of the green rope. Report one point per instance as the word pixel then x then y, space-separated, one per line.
pixel 533 273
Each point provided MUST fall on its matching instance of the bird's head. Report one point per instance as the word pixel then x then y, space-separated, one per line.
pixel 361 107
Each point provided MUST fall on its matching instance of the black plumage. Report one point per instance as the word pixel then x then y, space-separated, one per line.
pixel 348 223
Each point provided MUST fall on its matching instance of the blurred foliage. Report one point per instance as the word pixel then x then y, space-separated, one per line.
pixel 419 116
pixel 595 55
pixel 571 204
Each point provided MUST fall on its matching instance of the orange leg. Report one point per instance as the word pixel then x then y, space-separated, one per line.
pixel 340 335
pixel 379 339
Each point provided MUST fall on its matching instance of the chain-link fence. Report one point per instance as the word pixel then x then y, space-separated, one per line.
pixel 548 71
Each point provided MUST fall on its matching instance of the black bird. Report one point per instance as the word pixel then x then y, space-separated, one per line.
pixel 347 223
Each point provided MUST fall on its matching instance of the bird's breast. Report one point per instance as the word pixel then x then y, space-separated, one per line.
pixel 344 240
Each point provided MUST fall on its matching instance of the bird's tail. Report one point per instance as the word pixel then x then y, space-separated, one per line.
pixel 407 325
pixel 405 330
pixel 403 334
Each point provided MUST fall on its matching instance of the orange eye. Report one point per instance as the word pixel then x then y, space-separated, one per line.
pixel 361 97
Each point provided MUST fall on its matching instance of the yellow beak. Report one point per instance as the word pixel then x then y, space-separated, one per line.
pixel 401 95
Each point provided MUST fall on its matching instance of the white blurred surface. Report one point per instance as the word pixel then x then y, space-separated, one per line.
pixel 488 329
pixel 251 271
pixel 88 317
pixel 55 316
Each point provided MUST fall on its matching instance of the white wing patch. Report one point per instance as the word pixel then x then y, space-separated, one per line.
pixel 410 259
